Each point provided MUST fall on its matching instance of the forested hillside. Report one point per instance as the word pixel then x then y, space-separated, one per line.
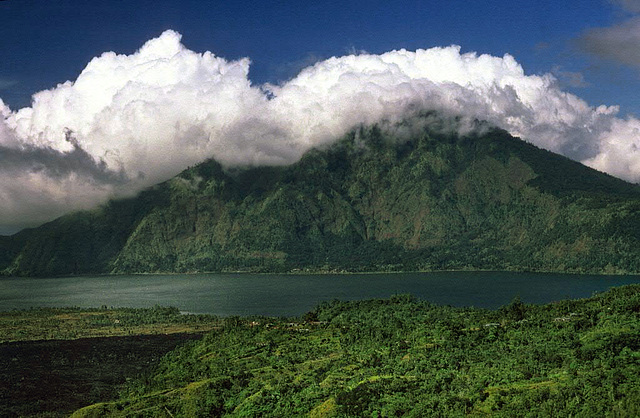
pixel 402 357
pixel 375 200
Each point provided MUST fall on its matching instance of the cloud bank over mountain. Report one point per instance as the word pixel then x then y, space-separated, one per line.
pixel 129 121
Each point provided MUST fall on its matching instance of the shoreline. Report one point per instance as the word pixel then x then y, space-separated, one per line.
pixel 322 273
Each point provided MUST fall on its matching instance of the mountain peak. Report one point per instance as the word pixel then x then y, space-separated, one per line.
pixel 382 198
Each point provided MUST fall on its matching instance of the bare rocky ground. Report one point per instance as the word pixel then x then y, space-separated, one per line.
pixel 56 377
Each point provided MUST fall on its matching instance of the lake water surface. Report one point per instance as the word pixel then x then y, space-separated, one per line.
pixel 288 295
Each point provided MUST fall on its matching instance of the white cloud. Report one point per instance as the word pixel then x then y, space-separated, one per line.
pixel 619 152
pixel 146 116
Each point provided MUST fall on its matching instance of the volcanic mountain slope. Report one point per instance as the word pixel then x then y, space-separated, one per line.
pixel 377 200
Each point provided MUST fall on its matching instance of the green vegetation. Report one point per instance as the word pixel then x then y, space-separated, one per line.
pixel 405 357
pixel 373 201
pixel 73 323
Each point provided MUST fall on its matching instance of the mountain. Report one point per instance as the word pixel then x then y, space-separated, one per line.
pixel 376 200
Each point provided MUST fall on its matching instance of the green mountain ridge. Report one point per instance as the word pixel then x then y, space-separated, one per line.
pixel 372 201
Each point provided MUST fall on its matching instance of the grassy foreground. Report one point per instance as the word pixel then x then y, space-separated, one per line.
pixel 402 357
pixel 73 323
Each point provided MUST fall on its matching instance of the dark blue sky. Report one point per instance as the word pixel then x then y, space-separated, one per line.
pixel 44 43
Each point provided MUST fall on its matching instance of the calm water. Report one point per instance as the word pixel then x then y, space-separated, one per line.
pixel 287 295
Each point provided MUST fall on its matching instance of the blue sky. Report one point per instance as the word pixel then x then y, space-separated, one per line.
pixel 44 43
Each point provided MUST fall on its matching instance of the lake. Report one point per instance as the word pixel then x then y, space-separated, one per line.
pixel 289 295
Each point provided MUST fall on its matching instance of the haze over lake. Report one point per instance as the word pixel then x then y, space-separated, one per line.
pixel 288 295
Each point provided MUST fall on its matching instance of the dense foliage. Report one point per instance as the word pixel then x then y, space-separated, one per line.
pixel 405 357
pixel 378 200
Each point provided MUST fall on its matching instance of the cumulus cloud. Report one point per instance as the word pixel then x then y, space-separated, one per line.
pixel 58 164
pixel 619 153
pixel 139 119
